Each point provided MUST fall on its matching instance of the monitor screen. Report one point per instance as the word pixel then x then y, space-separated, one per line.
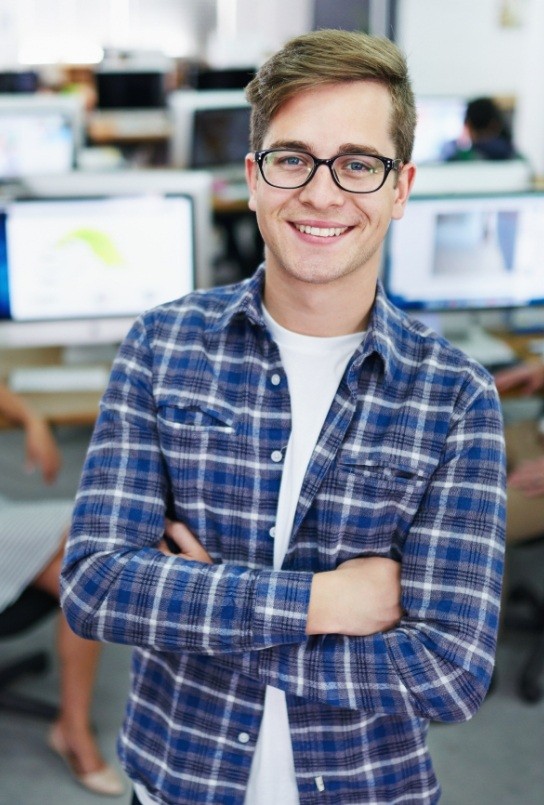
pixel 19 81
pixel 220 137
pixel 224 78
pixel 467 252
pixel 35 143
pixel 131 89
pixel 95 257
pixel 440 121
pixel 82 253
pixel 210 128
pixel 39 134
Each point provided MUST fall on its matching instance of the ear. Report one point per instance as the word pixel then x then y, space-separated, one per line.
pixel 252 176
pixel 405 182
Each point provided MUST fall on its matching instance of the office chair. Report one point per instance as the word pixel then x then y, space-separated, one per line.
pixel 525 612
pixel 28 610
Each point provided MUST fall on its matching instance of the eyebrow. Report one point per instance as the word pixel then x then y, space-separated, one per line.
pixel 345 148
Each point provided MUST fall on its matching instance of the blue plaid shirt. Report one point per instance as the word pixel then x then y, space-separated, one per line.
pixel 409 465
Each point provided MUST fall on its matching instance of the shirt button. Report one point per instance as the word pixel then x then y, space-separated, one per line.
pixel 276 456
pixel 275 379
pixel 243 737
pixel 272 532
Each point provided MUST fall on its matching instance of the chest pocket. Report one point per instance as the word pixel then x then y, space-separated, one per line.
pixel 381 497
pixel 201 450
pixel 196 416
pixel 195 439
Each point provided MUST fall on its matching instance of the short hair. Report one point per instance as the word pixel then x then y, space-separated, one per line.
pixel 485 117
pixel 328 56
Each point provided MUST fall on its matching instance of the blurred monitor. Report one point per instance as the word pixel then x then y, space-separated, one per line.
pixel 210 130
pixel 39 134
pixel 220 137
pixel 458 253
pixel 80 259
pixel 440 122
pixel 131 89
pixel 208 78
pixel 15 81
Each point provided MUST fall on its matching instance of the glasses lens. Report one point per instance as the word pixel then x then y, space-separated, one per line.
pixel 287 169
pixel 359 173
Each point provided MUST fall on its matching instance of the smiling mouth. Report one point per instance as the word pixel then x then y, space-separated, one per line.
pixel 321 232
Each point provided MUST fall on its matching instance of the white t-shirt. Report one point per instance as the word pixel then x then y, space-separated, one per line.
pixel 314 368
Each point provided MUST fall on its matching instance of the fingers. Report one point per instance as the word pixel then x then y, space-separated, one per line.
pixel 188 544
pixel 361 597
pixel 162 546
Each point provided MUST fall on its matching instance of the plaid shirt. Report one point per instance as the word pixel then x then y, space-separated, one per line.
pixel 409 465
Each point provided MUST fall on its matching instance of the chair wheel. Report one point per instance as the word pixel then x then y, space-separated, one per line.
pixel 530 690
pixel 39 663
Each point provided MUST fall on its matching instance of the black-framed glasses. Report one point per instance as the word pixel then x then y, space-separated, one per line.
pixel 289 169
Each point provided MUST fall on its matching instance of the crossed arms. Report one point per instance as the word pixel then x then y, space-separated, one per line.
pixel 360 597
pixel 415 637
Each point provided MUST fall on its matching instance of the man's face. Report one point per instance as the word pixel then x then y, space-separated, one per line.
pixel 326 121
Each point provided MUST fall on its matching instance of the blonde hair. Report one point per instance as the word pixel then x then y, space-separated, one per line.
pixel 328 56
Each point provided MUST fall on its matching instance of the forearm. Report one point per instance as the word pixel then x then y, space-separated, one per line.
pixel 15 408
pixel 143 598
pixel 402 670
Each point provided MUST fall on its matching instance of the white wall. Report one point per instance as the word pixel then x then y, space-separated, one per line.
pixel 461 48
pixel 253 29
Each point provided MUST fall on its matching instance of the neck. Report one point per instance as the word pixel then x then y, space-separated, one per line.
pixel 320 309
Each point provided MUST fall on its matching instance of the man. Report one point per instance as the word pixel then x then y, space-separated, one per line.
pixel 331 473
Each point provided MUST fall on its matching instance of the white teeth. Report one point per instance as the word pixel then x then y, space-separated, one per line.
pixel 330 232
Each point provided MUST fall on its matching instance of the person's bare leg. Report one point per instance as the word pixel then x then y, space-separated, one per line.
pixel 78 660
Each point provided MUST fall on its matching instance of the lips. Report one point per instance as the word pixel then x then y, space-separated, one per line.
pixel 321 232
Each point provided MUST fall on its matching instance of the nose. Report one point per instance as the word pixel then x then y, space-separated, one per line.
pixel 322 191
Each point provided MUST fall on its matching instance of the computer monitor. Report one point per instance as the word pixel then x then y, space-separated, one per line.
pixel 472 252
pixel 81 258
pixel 213 78
pixel 14 81
pixel 131 89
pixel 210 129
pixel 440 121
pixel 39 134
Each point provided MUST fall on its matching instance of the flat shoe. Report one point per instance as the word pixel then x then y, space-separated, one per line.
pixel 104 781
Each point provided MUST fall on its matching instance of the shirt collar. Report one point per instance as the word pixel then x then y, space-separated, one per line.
pixel 382 335
pixel 385 331
pixel 245 301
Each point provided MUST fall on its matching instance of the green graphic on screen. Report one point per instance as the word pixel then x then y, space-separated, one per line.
pixel 98 242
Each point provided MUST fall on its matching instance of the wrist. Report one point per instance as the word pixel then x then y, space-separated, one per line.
pixel 322 611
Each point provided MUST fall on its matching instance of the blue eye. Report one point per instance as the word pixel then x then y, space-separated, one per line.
pixel 291 160
pixel 357 166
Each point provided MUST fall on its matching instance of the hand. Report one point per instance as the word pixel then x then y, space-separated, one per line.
pixel 527 378
pixel 359 598
pixel 528 478
pixel 189 546
pixel 41 449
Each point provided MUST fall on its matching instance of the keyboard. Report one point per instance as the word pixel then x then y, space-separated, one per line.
pixel 487 349
pixel 58 378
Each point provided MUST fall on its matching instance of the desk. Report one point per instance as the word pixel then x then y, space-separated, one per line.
pixel 66 408
pixel 520 345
